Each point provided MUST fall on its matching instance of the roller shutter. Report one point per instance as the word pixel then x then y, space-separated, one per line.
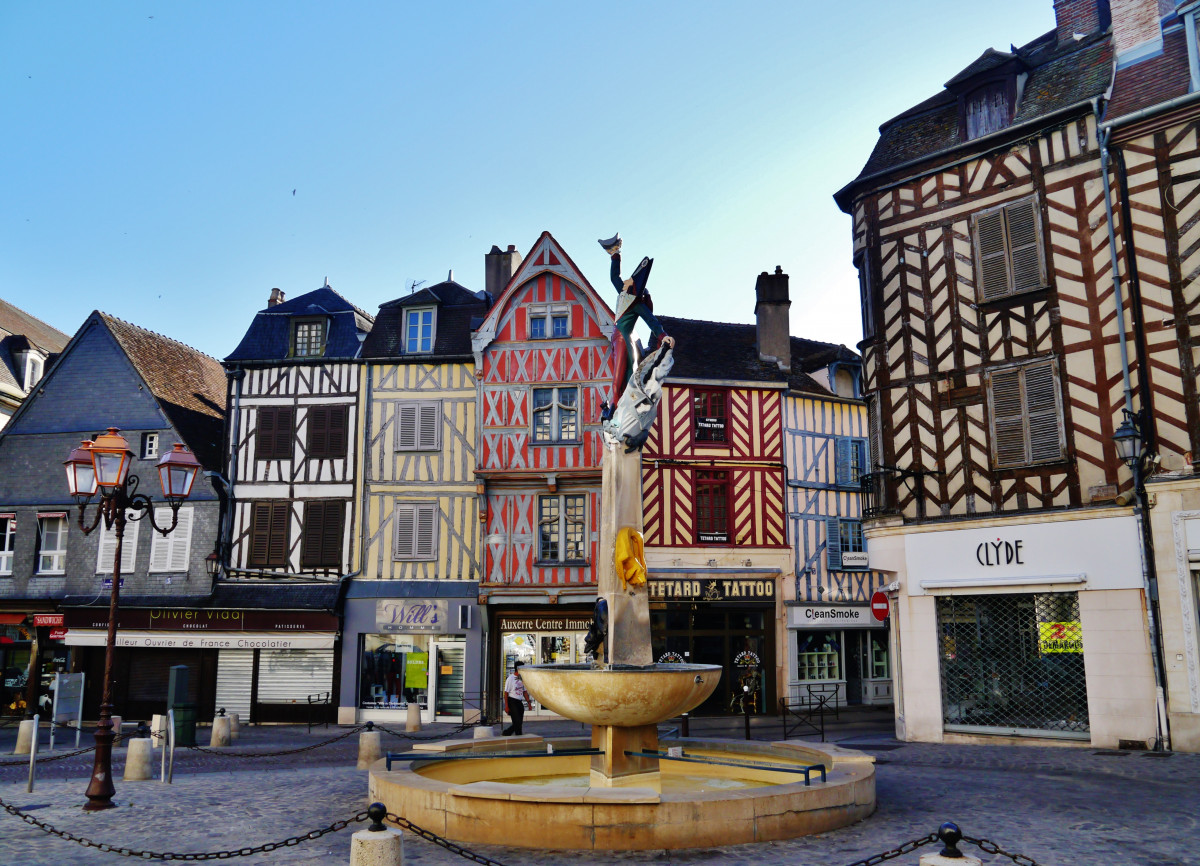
pixel 235 674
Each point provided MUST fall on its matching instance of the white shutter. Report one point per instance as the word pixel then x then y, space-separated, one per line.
pixel 429 424
pixel 405 516
pixel 108 548
pixel 171 553
pixel 235 674
pixel 287 676
pixel 406 426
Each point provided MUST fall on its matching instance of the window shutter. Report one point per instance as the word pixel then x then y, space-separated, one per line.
pixel 429 415
pixel 331 540
pixel 277 549
pixel 108 548
pixel 1024 248
pixel 426 530
pixel 841 462
pixel 406 427
pixel 833 543
pixel 337 426
pixel 260 533
pixel 318 431
pixel 405 530
pixel 171 553
pixel 310 544
pixel 266 443
pixel 285 426
pixel 1041 410
pixel 1008 422
pixel 993 262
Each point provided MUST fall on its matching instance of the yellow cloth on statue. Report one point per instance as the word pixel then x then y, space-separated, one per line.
pixel 631 557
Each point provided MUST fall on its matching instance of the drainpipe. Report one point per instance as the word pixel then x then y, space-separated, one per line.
pixel 1142 510
pixel 226 527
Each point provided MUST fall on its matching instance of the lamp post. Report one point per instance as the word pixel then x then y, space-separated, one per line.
pixel 104 465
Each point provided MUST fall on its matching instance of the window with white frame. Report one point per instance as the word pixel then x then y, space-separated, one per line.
pixel 555 414
pixel 419 425
pixel 418 330
pixel 562 528
pixel 170 553
pixel 308 338
pixel 52 543
pixel 537 327
pixel 548 321
pixel 34 366
pixel 149 446
pixel 416 530
pixel 560 326
pixel 850 461
pixel 107 549
pixel 8 537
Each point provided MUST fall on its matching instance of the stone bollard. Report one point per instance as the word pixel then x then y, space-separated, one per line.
pixel 158 732
pixel 370 747
pixel 235 725
pixel 414 718
pixel 949 855
pixel 485 732
pixel 117 721
pixel 220 733
pixel 26 731
pixel 138 760
pixel 377 845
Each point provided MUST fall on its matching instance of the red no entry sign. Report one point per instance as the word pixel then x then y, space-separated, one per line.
pixel 879 606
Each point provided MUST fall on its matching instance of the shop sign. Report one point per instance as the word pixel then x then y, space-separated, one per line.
pixel 746 659
pixel 546 623
pixel 670 658
pixel 58 633
pixel 832 616
pixel 855 559
pixel 711 589
pixel 1060 637
pixel 416 670
pixel 411 615
pixel 48 619
pixel 183 640
pixel 203 619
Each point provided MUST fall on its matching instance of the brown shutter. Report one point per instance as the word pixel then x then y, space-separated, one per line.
pixel 278 548
pixel 1041 409
pixel 1025 250
pixel 310 542
pixel 331 541
pixel 337 424
pixel 260 531
pixel 265 445
pixel 1008 421
pixel 318 431
pixel 992 276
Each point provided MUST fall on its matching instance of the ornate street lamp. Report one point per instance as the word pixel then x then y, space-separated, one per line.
pixel 1128 440
pixel 109 458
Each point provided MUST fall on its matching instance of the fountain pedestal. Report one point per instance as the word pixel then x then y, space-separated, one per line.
pixel 614 768
pixel 628 606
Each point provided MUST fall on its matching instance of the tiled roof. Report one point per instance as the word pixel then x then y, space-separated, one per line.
pixel 269 337
pixel 1154 80
pixel 189 385
pixel 16 321
pixel 1059 77
pixel 728 351
pixel 456 307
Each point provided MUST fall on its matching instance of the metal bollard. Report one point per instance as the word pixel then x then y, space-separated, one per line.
pixel 33 750
pixel 683 726
pixel 377 845
pixel 949 855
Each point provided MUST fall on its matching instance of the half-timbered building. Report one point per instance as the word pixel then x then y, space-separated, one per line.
pixel 292 456
pixel 411 627
pixel 993 375
pixel 542 357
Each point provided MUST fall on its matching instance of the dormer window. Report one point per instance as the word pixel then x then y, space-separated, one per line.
pixel 988 109
pixel 418 331
pixel 34 367
pixel 988 92
pixel 308 338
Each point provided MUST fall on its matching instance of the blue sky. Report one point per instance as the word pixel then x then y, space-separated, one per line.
pixel 151 149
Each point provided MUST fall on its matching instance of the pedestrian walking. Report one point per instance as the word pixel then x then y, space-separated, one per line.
pixel 516 700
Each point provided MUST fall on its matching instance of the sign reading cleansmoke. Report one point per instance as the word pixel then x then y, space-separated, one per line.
pixel 833 616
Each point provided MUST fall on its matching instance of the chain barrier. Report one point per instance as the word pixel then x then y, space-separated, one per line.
pixel 899 850
pixel 990 847
pixel 404 735
pixel 440 841
pixel 278 753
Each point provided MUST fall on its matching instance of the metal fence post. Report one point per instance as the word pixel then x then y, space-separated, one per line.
pixel 171 745
pixel 33 750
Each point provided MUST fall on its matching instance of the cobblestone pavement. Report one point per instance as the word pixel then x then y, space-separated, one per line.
pixel 1057 805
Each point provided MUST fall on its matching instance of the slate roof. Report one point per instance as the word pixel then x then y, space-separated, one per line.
pixel 189 385
pixel 1153 80
pixel 457 307
pixel 19 331
pixel 269 337
pixel 729 352
pixel 249 595
pixel 1059 77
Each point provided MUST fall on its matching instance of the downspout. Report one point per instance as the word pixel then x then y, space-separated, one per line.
pixel 1149 573
pixel 226 527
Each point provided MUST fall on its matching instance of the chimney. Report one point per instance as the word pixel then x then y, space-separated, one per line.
pixel 1083 17
pixel 276 298
pixel 1137 30
pixel 771 307
pixel 498 268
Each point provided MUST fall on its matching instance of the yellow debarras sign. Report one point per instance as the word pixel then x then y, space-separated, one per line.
pixel 1060 637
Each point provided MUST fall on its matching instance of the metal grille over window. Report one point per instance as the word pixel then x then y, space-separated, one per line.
pixel 1013 663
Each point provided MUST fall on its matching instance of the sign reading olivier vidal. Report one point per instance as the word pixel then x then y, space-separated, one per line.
pixel 711 589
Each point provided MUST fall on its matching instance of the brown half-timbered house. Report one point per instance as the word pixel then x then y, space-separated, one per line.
pixel 994 380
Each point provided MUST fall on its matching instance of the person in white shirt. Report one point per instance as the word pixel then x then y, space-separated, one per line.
pixel 516 700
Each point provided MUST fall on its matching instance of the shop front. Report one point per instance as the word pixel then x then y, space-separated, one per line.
pixel 416 642
pixel 838 648
pixel 266 665
pixel 22 635
pixel 724 617
pixel 1022 629
pixel 539 637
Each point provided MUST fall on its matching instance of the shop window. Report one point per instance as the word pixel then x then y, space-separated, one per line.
pixel 321 543
pixel 818 656
pixel 107 548
pixel 710 413
pixel 416 530
pixel 845 546
pixel 1008 250
pixel 52 543
pixel 850 461
pixel 269 534
pixel 394 671
pixel 418 331
pixel 327 431
pixel 308 338
pixel 275 433
pixel 171 553
pixel 555 414
pixel 712 507
pixel 1026 414
pixel 8 538
pixel 418 426
pixel 561 528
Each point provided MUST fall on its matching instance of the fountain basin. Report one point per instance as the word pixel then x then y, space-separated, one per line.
pixel 546 802
pixel 621 696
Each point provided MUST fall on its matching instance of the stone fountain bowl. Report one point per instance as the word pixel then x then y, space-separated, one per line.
pixel 622 695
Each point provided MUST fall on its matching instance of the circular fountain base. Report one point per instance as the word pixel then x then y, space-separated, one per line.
pixel 547 801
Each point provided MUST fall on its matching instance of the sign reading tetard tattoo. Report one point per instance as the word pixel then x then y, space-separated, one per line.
pixel 711 589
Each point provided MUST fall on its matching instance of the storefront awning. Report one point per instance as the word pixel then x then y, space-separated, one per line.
pixel 205 640
pixel 12 618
